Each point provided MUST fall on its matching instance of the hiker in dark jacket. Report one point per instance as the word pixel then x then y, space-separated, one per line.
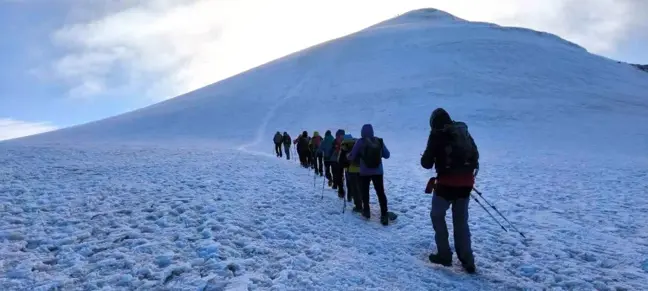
pixel 327 151
pixel 336 170
pixel 302 149
pixel 278 138
pixel 369 173
pixel 453 188
pixel 286 144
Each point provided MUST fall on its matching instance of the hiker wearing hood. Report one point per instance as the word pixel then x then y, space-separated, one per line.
pixel 453 151
pixel 316 154
pixel 369 151
pixel 302 149
pixel 352 173
pixel 278 138
pixel 286 144
pixel 336 169
pixel 327 151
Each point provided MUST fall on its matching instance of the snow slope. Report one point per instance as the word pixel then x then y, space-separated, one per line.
pixel 186 193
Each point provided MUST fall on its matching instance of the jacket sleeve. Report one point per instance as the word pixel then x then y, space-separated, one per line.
pixel 385 152
pixel 428 158
pixel 353 155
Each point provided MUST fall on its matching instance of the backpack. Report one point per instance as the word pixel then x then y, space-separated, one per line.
pixel 461 155
pixel 278 138
pixel 372 152
pixel 287 139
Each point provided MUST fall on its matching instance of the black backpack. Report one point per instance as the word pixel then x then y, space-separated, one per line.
pixel 372 152
pixel 461 155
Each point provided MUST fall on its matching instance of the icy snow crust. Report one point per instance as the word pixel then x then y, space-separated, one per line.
pixel 562 134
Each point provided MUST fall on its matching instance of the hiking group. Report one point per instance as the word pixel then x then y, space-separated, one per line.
pixel 450 149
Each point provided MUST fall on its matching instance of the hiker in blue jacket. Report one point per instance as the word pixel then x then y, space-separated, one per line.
pixel 369 151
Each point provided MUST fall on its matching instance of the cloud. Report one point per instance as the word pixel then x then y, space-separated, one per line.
pixel 10 128
pixel 166 48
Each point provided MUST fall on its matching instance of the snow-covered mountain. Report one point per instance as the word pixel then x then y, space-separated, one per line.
pixel 186 193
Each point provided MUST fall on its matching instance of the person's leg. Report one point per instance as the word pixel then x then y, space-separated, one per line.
pixel 437 214
pixel 379 185
pixel 364 192
pixel 340 182
pixel 320 164
pixel 353 189
pixel 334 173
pixel 463 245
pixel 287 151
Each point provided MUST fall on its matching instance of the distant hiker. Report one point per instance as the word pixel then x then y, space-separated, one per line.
pixel 327 151
pixel 286 143
pixel 337 170
pixel 370 151
pixel 278 138
pixel 352 173
pixel 316 153
pixel 302 149
pixel 454 154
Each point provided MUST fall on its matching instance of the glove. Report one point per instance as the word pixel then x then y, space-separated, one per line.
pixel 431 185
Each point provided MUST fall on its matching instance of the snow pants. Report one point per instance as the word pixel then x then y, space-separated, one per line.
pixel 287 151
pixel 459 220
pixel 353 189
pixel 278 149
pixel 379 185
pixel 319 163
pixel 327 171
pixel 303 158
pixel 338 178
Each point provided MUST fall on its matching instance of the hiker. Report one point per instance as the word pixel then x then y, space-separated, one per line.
pixel 278 138
pixel 302 148
pixel 336 170
pixel 316 153
pixel 352 169
pixel 370 151
pixel 453 153
pixel 327 151
pixel 286 144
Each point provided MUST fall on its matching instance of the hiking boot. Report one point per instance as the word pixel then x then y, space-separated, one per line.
pixel 330 183
pixel 341 195
pixel 470 269
pixel 384 219
pixel 334 187
pixel 366 213
pixel 436 259
pixel 356 209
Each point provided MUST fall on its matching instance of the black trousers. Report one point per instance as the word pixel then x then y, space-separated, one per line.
pixel 338 178
pixel 328 171
pixel 278 149
pixel 353 189
pixel 319 163
pixel 379 185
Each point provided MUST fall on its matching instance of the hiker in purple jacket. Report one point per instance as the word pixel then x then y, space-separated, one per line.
pixel 369 151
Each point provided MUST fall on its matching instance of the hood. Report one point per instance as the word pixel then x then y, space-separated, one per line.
pixel 304 134
pixel 328 133
pixel 367 131
pixel 439 118
pixel 316 133
pixel 348 136
pixel 285 133
pixel 339 132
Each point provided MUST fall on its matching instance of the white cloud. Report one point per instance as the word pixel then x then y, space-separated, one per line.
pixel 172 47
pixel 11 128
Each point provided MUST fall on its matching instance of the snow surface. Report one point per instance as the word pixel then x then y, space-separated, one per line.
pixel 186 194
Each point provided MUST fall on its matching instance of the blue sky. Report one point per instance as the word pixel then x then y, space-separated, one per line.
pixel 66 62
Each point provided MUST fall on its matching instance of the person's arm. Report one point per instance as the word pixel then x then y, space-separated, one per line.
pixel 385 152
pixel 354 151
pixel 427 160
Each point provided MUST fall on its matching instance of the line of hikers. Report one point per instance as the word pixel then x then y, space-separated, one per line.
pixel 345 158
pixel 450 149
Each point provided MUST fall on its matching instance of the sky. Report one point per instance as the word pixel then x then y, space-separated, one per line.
pixel 68 62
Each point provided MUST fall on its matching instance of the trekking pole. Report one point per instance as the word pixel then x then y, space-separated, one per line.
pixel 491 215
pixel 498 212
pixel 323 188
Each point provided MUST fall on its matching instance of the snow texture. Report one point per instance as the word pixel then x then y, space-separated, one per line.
pixel 187 194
